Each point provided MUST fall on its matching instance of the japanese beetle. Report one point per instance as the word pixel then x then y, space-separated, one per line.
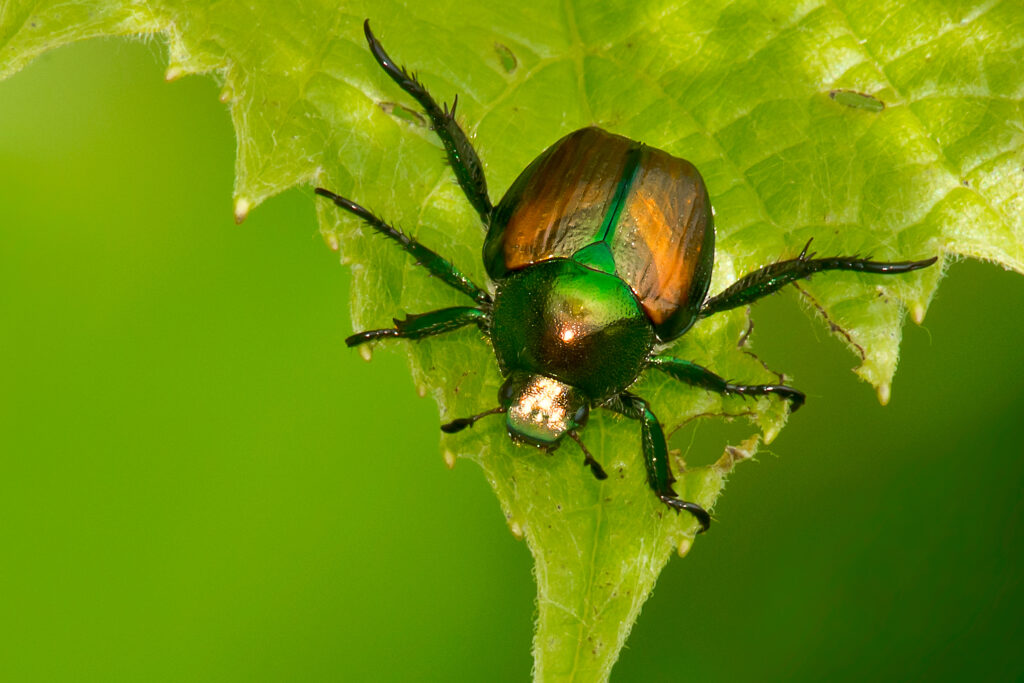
pixel 600 250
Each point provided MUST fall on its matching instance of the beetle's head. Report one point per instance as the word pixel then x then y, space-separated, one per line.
pixel 540 410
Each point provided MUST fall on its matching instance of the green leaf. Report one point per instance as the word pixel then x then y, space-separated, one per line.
pixel 894 130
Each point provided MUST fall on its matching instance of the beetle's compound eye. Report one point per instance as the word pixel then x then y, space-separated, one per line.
pixel 582 415
pixel 509 390
pixel 541 410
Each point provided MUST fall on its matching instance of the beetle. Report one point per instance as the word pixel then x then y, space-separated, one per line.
pixel 599 252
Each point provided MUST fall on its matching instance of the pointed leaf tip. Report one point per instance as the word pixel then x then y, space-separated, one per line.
pixel 242 206
pixel 174 72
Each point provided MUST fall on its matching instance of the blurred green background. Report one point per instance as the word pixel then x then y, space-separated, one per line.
pixel 199 482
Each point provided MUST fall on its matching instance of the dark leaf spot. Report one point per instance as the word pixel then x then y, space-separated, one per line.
pixel 857 100
pixel 400 111
pixel 505 56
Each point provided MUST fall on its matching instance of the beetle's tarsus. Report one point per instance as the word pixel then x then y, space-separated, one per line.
pixel 368 336
pixel 795 397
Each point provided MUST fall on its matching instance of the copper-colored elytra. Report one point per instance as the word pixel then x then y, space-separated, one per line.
pixel 658 238
pixel 664 223
pixel 566 197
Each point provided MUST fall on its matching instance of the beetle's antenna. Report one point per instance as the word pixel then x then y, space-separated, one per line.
pixel 463 422
pixel 594 465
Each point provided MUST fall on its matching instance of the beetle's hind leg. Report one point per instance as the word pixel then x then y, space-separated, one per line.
pixel 461 155
pixel 775 276
pixel 699 376
pixel 439 267
pixel 659 472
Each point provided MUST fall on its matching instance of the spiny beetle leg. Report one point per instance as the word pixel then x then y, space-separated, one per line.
pixel 699 376
pixel 659 472
pixel 418 326
pixel 438 266
pixel 461 155
pixel 775 276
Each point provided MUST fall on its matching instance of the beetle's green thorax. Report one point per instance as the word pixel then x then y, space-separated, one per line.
pixel 569 322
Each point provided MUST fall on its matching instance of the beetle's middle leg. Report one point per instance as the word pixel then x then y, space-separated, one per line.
pixel 773 277
pixel 461 155
pixel 700 376
pixel 439 267
pixel 659 473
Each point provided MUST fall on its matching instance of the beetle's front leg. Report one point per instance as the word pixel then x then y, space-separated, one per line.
pixel 461 155
pixel 775 276
pixel 438 266
pixel 659 472
pixel 700 376
pixel 418 326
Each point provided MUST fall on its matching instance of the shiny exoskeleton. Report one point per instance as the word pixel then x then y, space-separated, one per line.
pixel 600 250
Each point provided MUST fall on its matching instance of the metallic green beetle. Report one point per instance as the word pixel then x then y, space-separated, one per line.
pixel 601 250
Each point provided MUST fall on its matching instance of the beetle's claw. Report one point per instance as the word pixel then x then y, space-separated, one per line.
pixel 697 511
pixel 457 425
pixel 795 397
pixel 596 468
